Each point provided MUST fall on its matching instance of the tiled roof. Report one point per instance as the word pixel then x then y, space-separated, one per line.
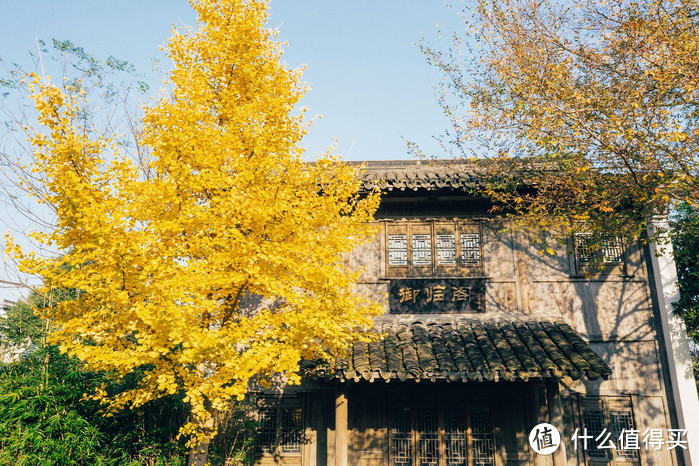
pixel 472 350
pixel 418 174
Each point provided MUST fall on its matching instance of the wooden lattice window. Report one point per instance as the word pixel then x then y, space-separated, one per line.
pixel 483 446
pixel 455 437
pixel 593 420
pixel 594 254
pixel 622 420
pixel 427 431
pixel 608 249
pixel 433 248
pixel 290 430
pixel 606 418
pixel 280 426
pixel 398 250
pixel 446 249
pixel 267 430
pixel 470 248
pixel 440 435
pixel 422 249
pixel 401 438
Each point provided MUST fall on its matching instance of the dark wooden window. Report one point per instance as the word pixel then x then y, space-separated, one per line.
pixel 622 420
pixel 401 437
pixel 280 421
pixel 456 437
pixel 611 415
pixel 483 446
pixel 446 434
pixel 593 421
pixel 433 248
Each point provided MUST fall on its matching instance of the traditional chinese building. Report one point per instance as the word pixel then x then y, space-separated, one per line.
pixel 483 338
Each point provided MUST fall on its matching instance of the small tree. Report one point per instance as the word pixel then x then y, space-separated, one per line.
pixel 588 110
pixel 168 255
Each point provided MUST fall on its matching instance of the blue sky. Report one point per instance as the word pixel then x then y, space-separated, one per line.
pixel 370 83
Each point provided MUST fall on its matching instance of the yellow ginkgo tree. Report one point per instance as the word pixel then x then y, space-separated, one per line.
pixel 218 263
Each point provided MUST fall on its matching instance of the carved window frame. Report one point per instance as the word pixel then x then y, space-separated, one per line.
pixel 605 412
pixel 442 432
pixel 584 259
pixel 433 248
pixel 281 427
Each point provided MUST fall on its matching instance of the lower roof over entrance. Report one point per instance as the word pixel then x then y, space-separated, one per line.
pixel 469 349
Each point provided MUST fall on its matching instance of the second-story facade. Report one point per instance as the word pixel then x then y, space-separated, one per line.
pixel 483 338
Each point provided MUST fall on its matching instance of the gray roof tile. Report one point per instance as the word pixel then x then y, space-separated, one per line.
pixel 471 350
pixel 412 175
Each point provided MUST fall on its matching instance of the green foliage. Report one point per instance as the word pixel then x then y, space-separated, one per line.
pixel 45 420
pixel 20 325
pixel 41 420
pixel 237 434
pixel 685 243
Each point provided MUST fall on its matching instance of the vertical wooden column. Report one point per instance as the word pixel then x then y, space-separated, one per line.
pixel 555 412
pixel 341 433
pixel 538 411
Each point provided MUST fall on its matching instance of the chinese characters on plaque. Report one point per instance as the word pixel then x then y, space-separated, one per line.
pixel 431 296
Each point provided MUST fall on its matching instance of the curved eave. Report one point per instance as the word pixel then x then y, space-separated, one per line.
pixel 469 351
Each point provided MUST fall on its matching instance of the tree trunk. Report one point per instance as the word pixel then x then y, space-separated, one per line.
pixel 199 455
